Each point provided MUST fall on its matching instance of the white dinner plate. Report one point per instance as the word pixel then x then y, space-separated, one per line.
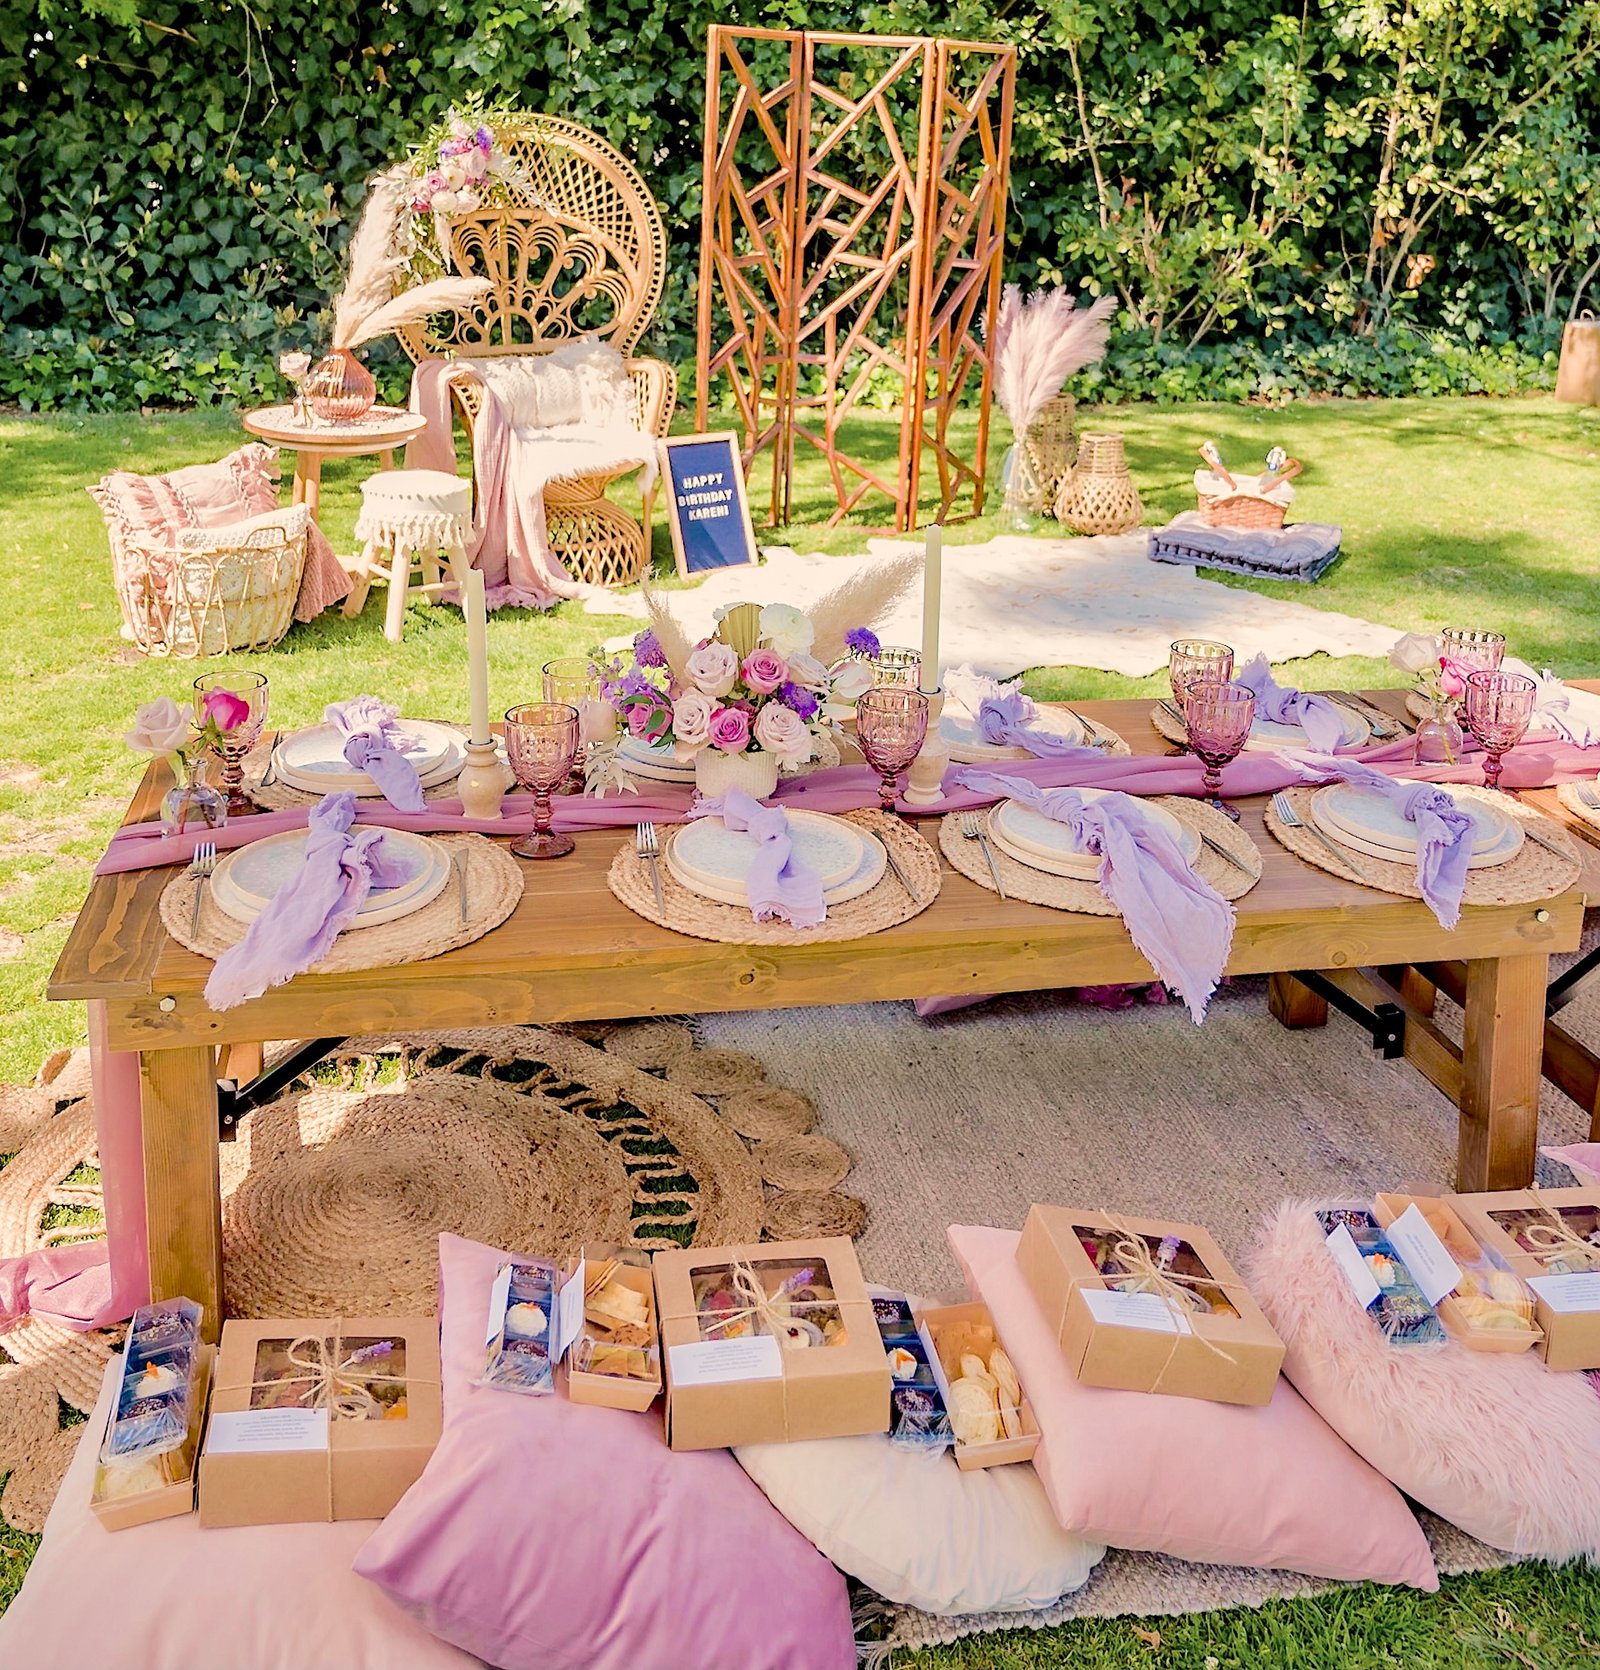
pixel 1043 844
pixel 711 854
pixel 656 764
pixel 313 759
pixel 248 877
pixel 874 861
pixel 1373 824
pixel 967 747
pixel 1266 734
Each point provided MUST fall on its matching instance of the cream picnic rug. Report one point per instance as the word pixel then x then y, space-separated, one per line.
pixel 1014 603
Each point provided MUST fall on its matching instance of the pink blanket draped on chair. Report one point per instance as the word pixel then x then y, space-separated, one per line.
pixel 511 468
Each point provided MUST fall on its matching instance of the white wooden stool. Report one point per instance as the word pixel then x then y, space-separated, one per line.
pixel 408 517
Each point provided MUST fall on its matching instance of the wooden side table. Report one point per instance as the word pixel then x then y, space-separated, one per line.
pixel 382 430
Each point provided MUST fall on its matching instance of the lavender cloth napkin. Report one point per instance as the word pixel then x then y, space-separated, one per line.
pixel 1180 924
pixel 1315 715
pixel 778 885
pixel 1004 721
pixel 310 910
pixel 1445 833
pixel 370 729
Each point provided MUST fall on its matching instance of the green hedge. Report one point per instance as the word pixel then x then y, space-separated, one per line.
pixel 1361 197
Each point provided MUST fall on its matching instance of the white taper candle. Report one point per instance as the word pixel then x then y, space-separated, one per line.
pixel 932 557
pixel 472 605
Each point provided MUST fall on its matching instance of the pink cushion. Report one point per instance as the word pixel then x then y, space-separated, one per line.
pixel 1270 1486
pixel 1495 1443
pixel 546 1534
pixel 271 1597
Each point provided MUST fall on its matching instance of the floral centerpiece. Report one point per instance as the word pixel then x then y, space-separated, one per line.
pixel 165 731
pixel 1441 683
pixel 459 165
pixel 743 704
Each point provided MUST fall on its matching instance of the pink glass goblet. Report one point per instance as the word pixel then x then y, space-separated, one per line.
pixel 242 736
pixel 541 743
pixel 1498 707
pixel 1192 658
pixel 891 724
pixel 1473 652
pixel 894 666
pixel 1218 716
pixel 574 679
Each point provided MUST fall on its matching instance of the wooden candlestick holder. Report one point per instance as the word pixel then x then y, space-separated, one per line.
pixel 925 779
pixel 482 783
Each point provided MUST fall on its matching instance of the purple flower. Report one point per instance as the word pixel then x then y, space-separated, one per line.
pixel 483 139
pixel 634 684
pixel 647 650
pixel 799 698
pixel 380 1348
pixel 862 640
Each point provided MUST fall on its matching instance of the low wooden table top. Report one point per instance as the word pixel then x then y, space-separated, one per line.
pixel 572 951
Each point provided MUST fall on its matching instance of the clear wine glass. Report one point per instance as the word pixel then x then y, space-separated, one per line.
pixel 894 666
pixel 891 723
pixel 1498 707
pixel 1192 658
pixel 573 679
pixel 541 743
pixel 242 736
pixel 1218 716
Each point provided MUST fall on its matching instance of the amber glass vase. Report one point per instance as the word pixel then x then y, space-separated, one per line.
pixel 340 388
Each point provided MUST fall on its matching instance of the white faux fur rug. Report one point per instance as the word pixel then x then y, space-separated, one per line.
pixel 1015 603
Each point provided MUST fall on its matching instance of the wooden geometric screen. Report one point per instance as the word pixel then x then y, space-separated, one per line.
pixel 851 249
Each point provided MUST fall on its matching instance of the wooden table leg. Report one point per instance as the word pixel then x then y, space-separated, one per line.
pixel 1293 1004
pixel 182 1188
pixel 1502 1043
pixel 307 488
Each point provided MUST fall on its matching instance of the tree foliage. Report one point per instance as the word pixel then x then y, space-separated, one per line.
pixel 1383 187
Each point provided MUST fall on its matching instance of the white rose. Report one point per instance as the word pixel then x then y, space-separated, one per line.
pixel 691 723
pixel 853 680
pixel 781 731
pixel 294 366
pixel 597 720
pixel 712 669
pixel 1415 652
pixel 808 671
pixel 159 727
pixel 444 203
pixel 787 629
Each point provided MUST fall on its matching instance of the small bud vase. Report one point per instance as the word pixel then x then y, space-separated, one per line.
pixel 193 804
pixel 755 771
pixel 1439 739
pixel 339 388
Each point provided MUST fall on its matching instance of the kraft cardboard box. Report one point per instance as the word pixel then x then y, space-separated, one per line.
pixel 615 1361
pixel 319 1419
pixel 1136 1342
pixel 119 1511
pixel 1551 1239
pixel 769 1343
pixel 955 1331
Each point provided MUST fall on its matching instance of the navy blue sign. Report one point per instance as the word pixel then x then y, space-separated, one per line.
pixel 706 506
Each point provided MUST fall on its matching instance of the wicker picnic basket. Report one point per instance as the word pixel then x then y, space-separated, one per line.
pixel 1246 510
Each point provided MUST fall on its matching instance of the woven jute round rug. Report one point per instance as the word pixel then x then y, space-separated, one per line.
pixel 885 906
pixel 1175 731
pixel 1535 873
pixel 494 888
pixel 1022 881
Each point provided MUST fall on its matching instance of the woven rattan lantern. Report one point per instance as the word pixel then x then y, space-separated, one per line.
pixel 1051 449
pixel 1099 495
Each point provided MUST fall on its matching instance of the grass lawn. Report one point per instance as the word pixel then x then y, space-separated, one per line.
pixel 1455 511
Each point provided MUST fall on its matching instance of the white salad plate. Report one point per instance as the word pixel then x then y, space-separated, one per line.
pixel 313 759
pixel 249 877
pixel 967 747
pixel 708 854
pixel 1043 844
pixel 1266 734
pixel 866 876
pixel 1372 823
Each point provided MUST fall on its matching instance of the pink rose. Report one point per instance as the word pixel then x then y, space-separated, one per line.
pixel 648 721
pixel 691 723
pixel 1452 677
pixel 712 669
pixel 781 731
pixel 729 730
pixel 764 670
pixel 225 710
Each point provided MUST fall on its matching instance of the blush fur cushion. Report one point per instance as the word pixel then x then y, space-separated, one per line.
pixel 1495 1443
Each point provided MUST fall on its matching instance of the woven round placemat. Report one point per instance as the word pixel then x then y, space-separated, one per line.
pixel 885 906
pixel 806 1217
pixel 1022 881
pixel 1174 731
pixel 277 796
pixel 1534 873
pixel 1567 794
pixel 494 887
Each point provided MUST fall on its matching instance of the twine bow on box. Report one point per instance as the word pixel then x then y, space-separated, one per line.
pixel 1554 1243
pixel 770 1313
pixel 337 1383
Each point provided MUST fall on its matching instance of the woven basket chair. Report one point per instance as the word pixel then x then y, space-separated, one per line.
pixel 590 258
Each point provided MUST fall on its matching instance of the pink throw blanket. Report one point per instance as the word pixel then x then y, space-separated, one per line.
pixel 511 469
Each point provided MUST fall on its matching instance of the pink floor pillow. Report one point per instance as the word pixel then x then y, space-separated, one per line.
pixel 170 1596
pixel 549 1535
pixel 1214 1482
pixel 1496 1443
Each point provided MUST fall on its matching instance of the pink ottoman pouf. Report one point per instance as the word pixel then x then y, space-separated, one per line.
pixel 549 1535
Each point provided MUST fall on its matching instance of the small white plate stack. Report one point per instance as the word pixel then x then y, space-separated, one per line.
pixel 1369 822
pixel 249 877
pixel 1042 844
pixel 714 861
pixel 313 759
pixel 653 762
pixel 967 747
pixel 1267 734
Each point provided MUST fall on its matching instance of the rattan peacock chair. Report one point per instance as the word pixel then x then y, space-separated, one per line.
pixel 582 251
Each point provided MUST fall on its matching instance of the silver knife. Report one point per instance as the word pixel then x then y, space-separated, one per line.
pixel 994 869
pixel 458 864
pixel 1222 852
pixel 1544 841
pixel 1173 712
pixel 270 775
pixel 899 874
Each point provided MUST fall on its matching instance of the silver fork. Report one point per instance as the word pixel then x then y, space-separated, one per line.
pixel 1291 819
pixel 648 846
pixel 1587 796
pixel 201 865
pixel 972 829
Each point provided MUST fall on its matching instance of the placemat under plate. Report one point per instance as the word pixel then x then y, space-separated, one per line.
pixel 885 906
pixel 1034 887
pixel 280 796
pixel 1175 731
pixel 494 885
pixel 1535 873
pixel 1567 794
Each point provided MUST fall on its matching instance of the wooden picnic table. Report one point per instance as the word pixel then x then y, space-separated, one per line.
pixel 571 951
